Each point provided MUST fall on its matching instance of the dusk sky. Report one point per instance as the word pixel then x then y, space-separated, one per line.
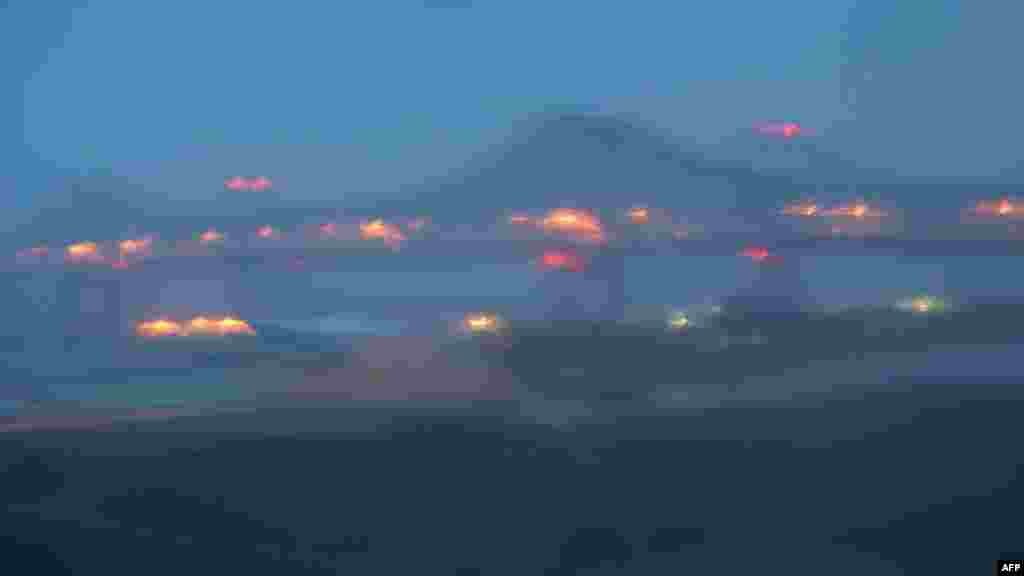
pixel 372 96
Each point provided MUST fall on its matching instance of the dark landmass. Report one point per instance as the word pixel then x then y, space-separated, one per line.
pixel 874 484
pixel 880 477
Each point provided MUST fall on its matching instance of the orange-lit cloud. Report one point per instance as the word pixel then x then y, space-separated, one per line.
pixel 784 129
pixel 217 326
pixel 561 260
pixel 639 215
pixel 806 209
pixel 268 233
pixel 574 222
pixel 857 210
pixel 481 322
pixel 236 183
pixel 1003 207
pixel 380 230
pixel 260 184
pixel 211 236
pixel 239 184
pixel 198 326
pixel 160 328
pixel 328 230
pixel 136 247
pixel 83 252
pixel 756 253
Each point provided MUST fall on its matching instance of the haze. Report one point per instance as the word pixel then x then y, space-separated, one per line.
pixel 339 100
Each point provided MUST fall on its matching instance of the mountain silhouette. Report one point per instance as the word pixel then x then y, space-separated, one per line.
pixel 809 160
pixel 598 162
pixel 778 288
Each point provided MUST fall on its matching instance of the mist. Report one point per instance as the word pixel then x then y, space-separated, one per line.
pixel 335 112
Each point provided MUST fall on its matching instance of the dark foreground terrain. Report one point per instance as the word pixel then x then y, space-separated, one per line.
pixel 915 479
pixel 680 463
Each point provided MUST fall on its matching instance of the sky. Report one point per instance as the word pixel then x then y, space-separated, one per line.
pixel 933 87
pixel 339 99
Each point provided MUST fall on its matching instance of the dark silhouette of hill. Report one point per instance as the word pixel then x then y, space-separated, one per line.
pixel 600 162
pixel 93 205
pixel 565 159
pixel 822 167
pixel 811 160
pixel 483 491
pixel 475 493
pixel 779 287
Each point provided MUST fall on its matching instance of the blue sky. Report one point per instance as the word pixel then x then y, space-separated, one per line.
pixel 386 91
pixel 937 87
pixel 372 96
